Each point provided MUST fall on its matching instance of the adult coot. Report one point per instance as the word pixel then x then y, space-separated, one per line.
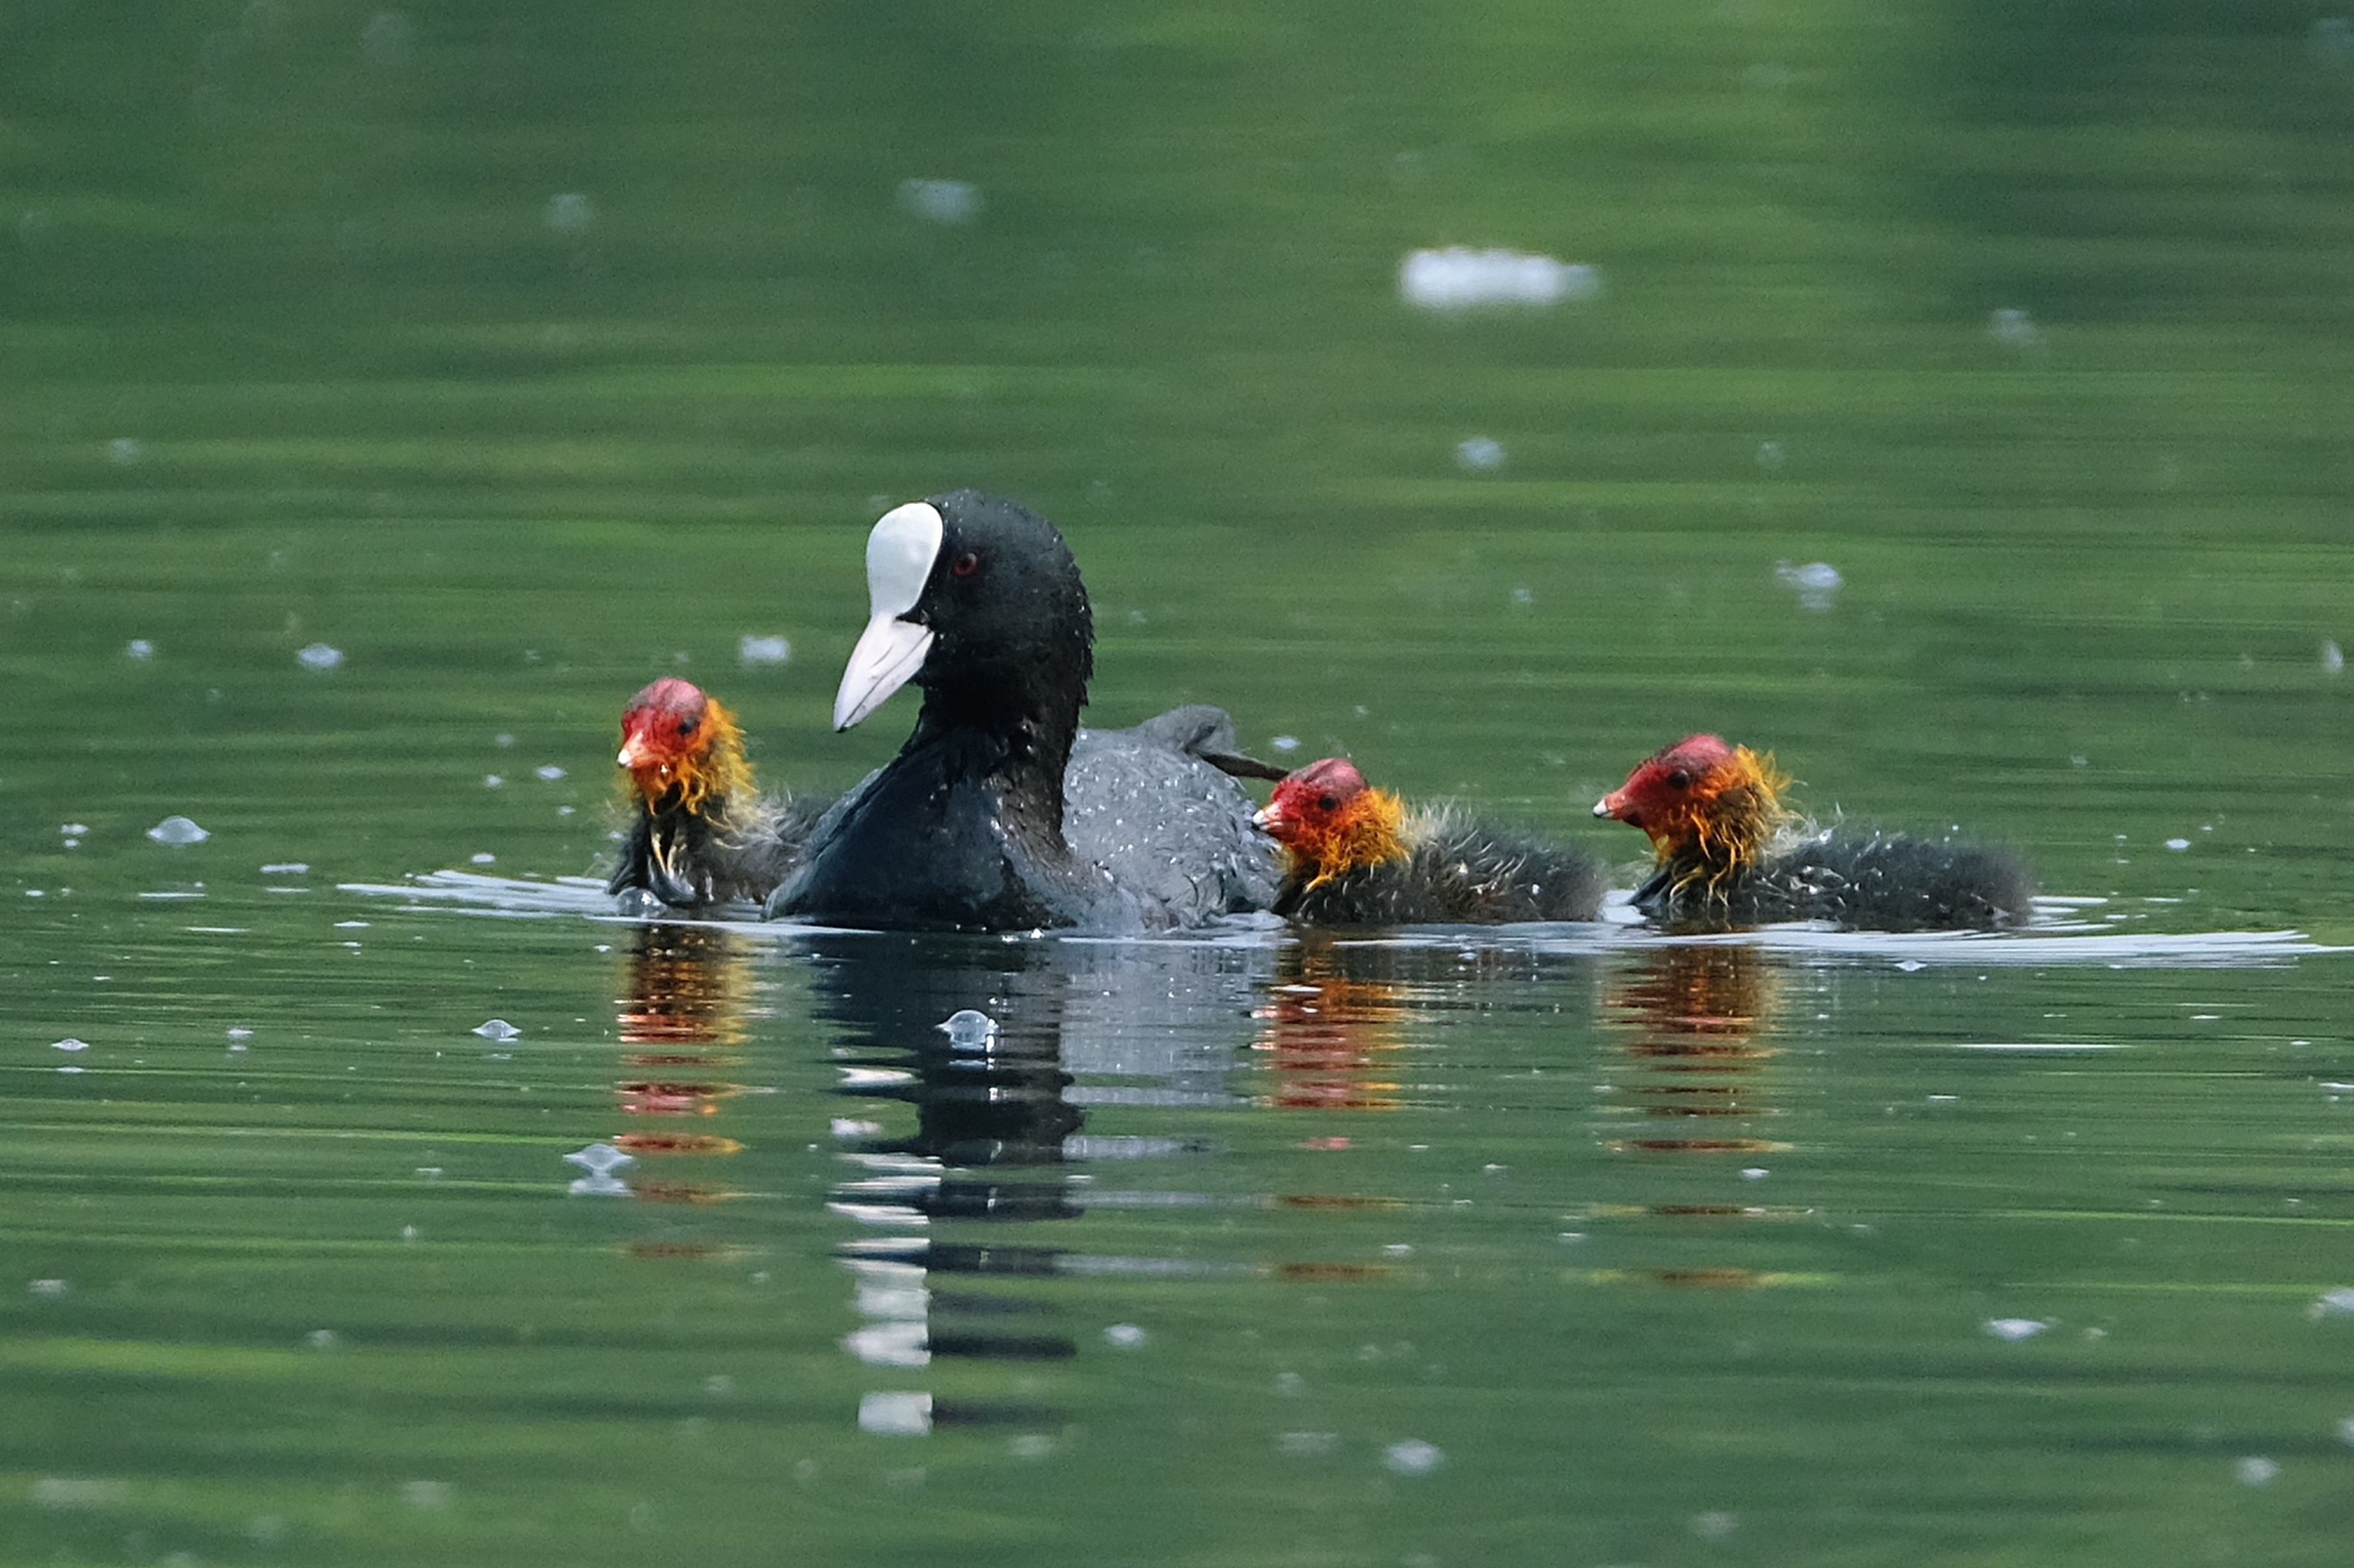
pixel 1357 856
pixel 701 832
pixel 1000 813
pixel 1731 853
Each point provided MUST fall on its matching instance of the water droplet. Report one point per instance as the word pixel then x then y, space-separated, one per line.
pixel 1124 1336
pixel 140 647
pixel 1412 1456
pixel 2014 1329
pixel 1459 277
pixel 499 1029
pixel 946 202
pixel 968 1030
pixel 177 830
pixel 319 656
pixel 753 651
pixel 1479 454
pixel 571 213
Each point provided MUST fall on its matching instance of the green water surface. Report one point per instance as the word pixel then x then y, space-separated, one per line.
pixel 520 352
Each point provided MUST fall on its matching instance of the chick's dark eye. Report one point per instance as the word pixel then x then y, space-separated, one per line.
pixel 686 726
pixel 1679 779
pixel 1329 802
pixel 965 565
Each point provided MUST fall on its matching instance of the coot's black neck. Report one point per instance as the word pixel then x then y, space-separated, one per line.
pixel 1019 721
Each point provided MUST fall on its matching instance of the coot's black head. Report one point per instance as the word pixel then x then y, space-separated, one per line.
pixel 978 601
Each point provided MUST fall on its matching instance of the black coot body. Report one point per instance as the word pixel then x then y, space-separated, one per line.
pixel 980 603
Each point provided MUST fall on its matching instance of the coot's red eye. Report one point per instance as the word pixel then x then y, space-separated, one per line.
pixel 964 565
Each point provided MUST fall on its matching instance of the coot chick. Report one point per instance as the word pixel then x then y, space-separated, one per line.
pixel 701 831
pixel 1357 857
pixel 1730 854
pixel 1000 813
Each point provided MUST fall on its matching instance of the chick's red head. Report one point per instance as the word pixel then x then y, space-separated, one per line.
pixel 1331 820
pixel 673 738
pixel 1308 801
pixel 1700 793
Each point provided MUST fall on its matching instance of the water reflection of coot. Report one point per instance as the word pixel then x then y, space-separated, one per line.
pixel 988 1099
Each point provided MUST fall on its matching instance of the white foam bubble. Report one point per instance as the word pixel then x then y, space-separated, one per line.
pixel 1459 277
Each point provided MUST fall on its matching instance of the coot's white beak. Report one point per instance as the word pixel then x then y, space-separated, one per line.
pixel 899 556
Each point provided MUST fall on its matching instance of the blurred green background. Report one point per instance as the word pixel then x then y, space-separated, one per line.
pixel 520 352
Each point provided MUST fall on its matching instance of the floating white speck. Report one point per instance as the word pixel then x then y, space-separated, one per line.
pixel 968 1030
pixel 2333 659
pixel 1412 1456
pixel 1285 743
pixel 124 452
pixel 2336 1303
pixel 1479 454
pixel 1911 966
pixel 854 1126
pixel 486 858
pixel 2014 1329
pixel 601 1157
pixel 753 651
pixel 2177 845
pixel 1814 582
pixel 238 1034
pixel 48 1287
pixel 492 781
pixel 1755 1173
pixel 2345 1429
pixel 499 1029
pixel 501 740
pixel 1124 1336
pixel 940 201
pixel 1770 456
pixel 318 656
pixel 321 1340
pixel 896 1415
pixel 75 829
pixel 140 647
pixel 2013 329
pixel 2255 1470
pixel 285 868
pixel 71 1044
pixel 1458 278
pixel 549 771
pixel 570 213
pixel 177 830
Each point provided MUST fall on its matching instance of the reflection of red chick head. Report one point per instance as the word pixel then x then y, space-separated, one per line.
pixel 1329 821
pixel 1704 798
pixel 680 744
